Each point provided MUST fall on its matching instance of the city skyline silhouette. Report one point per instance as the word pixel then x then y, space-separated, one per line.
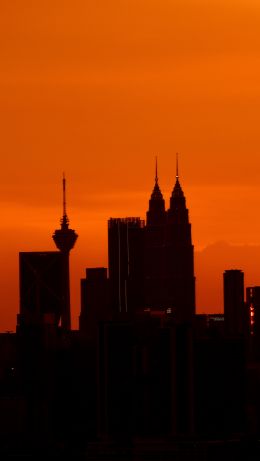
pixel 217 257
pixel 98 91
pixel 130 284
pixel 144 368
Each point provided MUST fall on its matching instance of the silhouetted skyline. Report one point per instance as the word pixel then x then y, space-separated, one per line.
pixel 143 367
pixel 140 339
pixel 223 255
pixel 98 91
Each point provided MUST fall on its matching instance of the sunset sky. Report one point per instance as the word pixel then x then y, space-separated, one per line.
pixel 97 89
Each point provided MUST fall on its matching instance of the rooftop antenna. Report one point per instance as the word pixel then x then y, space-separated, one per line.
pixel 177 166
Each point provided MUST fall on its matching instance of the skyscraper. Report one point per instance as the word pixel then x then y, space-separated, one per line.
pixel 178 257
pixel 151 266
pixel 65 239
pixel 125 260
pixel 154 235
pixel 235 314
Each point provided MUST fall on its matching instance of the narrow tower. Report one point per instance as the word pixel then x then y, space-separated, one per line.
pixel 179 258
pixel 65 239
pixel 156 212
pixel 153 244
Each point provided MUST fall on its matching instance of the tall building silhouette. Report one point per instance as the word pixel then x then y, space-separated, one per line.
pixel 152 266
pixel 125 261
pixel 94 300
pixel 154 248
pixel 65 239
pixel 41 289
pixel 179 257
pixel 235 313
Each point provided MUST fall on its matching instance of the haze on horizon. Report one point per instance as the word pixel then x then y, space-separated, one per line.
pixel 97 90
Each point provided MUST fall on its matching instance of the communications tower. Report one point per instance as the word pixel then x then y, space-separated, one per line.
pixel 65 239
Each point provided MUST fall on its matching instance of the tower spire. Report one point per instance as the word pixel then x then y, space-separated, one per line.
pixel 64 194
pixel 177 166
pixel 64 220
pixel 156 212
pixel 177 190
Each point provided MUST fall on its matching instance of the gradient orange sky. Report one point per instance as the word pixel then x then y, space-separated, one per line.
pixel 97 89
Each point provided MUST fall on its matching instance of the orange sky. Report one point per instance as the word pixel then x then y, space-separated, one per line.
pixel 96 89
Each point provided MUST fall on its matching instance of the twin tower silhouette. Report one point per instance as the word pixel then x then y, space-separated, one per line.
pixel 151 265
